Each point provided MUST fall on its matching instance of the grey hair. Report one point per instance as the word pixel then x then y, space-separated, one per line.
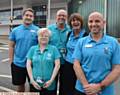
pixel 62 10
pixel 41 30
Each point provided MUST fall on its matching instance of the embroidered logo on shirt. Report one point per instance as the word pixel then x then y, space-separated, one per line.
pixel 106 50
pixel 49 56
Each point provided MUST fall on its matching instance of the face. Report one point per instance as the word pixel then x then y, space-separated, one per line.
pixel 28 18
pixel 43 37
pixel 96 23
pixel 76 24
pixel 61 17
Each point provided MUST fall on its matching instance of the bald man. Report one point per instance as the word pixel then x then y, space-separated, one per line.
pixel 96 60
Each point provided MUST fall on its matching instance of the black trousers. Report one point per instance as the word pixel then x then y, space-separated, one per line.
pixel 67 79
pixel 43 91
pixel 76 92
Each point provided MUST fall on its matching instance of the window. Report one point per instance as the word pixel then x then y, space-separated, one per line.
pixel 6 14
pixel 40 15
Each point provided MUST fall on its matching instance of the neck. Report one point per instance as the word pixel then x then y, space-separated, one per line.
pixel 97 37
pixel 76 32
pixel 61 26
pixel 26 25
pixel 42 47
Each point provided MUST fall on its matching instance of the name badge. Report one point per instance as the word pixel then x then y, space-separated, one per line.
pixel 32 30
pixel 88 45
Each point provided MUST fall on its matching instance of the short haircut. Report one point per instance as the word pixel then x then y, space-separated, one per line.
pixel 43 30
pixel 61 10
pixel 78 17
pixel 28 9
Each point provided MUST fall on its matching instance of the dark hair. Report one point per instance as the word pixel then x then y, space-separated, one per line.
pixel 77 16
pixel 28 9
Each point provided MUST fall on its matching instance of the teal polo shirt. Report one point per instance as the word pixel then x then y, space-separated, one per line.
pixel 24 38
pixel 97 59
pixel 59 38
pixel 43 63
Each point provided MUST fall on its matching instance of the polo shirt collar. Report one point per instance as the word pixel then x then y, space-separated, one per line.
pixel 81 33
pixel 28 27
pixel 102 40
pixel 65 27
pixel 38 48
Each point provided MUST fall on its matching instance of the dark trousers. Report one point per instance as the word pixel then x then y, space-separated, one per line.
pixel 76 92
pixel 67 79
pixel 43 91
pixel 19 74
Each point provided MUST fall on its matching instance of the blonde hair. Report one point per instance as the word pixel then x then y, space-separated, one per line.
pixel 43 30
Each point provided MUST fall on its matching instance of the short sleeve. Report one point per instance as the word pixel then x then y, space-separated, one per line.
pixel 116 53
pixel 12 36
pixel 78 51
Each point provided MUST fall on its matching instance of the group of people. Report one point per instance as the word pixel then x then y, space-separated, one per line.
pixel 83 63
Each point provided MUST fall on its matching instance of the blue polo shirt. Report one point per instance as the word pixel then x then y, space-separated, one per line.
pixel 24 38
pixel 43 63
pixel 59 38
pixel 97 59
pixel 71 43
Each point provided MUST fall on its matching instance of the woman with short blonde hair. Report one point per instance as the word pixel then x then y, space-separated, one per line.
pixel 43 63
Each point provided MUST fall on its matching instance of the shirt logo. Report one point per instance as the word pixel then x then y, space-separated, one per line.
pixel 106 50
pixel 49 56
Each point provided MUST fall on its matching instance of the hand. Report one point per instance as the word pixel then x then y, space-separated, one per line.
pixel 36 85
pixel 92 89
pixel 47 84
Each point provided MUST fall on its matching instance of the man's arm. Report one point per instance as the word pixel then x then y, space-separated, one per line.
pixel 110 78
pixel 11 51
pixel 113 76
pixel 79 73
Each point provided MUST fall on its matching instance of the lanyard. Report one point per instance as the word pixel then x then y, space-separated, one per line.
pixel 62 40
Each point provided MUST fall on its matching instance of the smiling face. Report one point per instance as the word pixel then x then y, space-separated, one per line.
pixel 75 21
pixel 76 24
pixel 96 23
pixel 61 17
pixel 28 17
pixel 43 36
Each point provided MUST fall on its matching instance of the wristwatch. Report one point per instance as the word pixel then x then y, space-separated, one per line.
pixel 102 86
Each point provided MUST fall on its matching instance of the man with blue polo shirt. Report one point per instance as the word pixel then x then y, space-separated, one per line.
pixel 21 39
pixel 59 37
pixel 96 60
